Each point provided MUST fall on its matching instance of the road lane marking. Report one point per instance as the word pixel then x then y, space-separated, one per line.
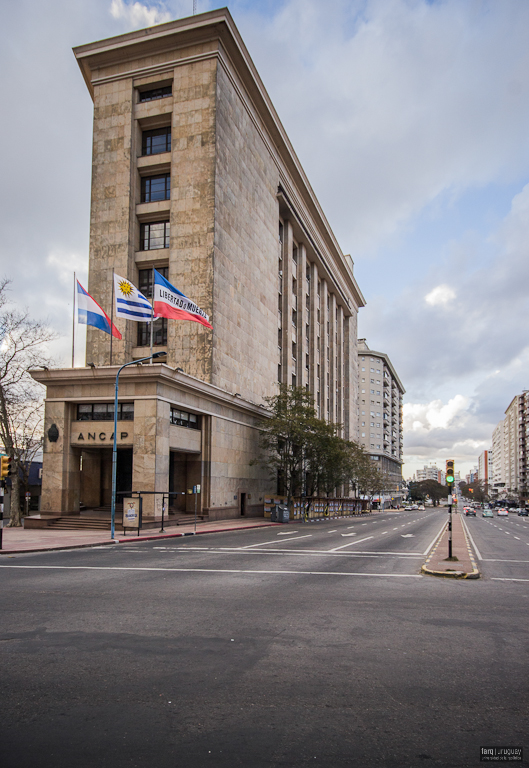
pixel 517 537
pixel 476 550
pixel 497 578
pixel 212 570
pixel 358 541
pixel 407 535
pixel 428 548
pixel 287 533
pixel 262 543
pixel 348 534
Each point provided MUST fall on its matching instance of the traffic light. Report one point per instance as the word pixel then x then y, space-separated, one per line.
pixel 6 467
pixel 450 472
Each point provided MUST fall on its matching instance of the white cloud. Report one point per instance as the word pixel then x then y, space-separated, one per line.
pixel 137 15
pixel 434 415
pixel 405 100
pixel 441 295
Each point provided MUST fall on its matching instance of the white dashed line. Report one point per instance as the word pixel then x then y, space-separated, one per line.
pixel 358 541
pixel 263 543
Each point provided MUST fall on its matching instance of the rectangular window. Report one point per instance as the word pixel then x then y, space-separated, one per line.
pixel 156 93
pixel 184 419
pixel 104 412
pixel 154 236
pixel 154 188
pixel 156 141
pixel 159 336
pixel 146 278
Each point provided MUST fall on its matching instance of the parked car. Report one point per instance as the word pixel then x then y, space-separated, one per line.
pixel 421 508
pixel 487 513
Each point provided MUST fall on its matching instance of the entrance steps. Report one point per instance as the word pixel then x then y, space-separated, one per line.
pixel 79 524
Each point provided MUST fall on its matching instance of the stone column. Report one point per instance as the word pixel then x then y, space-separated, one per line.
pixel 150 463
pixel 60 463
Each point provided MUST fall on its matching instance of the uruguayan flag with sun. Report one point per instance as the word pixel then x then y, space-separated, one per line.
pixel 130 303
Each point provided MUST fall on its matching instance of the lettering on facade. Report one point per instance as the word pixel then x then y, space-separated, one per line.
pixel 102 436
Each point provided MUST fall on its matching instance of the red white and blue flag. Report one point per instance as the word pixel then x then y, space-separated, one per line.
pixel 172 303
pixel 90 313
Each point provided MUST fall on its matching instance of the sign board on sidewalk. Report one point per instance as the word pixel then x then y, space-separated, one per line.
pixel 132 512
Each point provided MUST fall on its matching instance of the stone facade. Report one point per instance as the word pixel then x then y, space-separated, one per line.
pixel 242 235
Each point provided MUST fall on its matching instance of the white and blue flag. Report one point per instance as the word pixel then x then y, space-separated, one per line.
pixel 130 303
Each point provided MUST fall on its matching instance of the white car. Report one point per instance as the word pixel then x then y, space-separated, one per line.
pixel 502 513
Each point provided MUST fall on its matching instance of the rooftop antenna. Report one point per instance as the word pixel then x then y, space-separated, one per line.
pixel 194 7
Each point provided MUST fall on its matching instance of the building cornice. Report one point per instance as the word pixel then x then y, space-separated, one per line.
pixel 159 373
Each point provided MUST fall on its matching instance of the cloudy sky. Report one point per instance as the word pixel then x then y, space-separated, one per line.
pixel 411 119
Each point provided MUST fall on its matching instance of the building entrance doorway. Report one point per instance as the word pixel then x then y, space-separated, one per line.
pixel 96 476
pixel 185 471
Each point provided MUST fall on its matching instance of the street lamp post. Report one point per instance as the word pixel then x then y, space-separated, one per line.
pixel 115 443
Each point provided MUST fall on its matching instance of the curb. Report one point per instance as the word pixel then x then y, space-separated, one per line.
pixel 474 574
pixel 57 549
pixel 159 536
pixel 129 540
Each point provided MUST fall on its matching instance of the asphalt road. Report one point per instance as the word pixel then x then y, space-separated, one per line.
pixel 501 545
pixel 310 644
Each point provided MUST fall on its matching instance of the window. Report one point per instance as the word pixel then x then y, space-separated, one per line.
pixel 184 419
pixel 145 279
pixel 154 236
pixel 156 93
pixel 104 412
pixel 294 349
pixel 156 141
pixel 159 334
pixel 155 188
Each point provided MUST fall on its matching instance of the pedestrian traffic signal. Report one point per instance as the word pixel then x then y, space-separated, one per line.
pixel 6 467
pixel 450 472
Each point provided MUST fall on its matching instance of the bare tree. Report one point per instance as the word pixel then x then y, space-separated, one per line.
pixel 23 345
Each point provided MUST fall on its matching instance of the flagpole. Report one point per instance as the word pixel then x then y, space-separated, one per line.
pixel 73 323
pixel 152 315
pixel 112 316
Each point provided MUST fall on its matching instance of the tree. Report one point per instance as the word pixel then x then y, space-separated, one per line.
pixel 434 490
pixel 369 478
pixel 285 434
pixel 474 491
pixel 306 453
pixel 23 343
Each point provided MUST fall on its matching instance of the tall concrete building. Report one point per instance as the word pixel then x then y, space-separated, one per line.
pixel 510 453
pixel 194 175
pixel 380 413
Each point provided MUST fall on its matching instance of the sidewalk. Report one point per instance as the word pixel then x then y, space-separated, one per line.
pixel 20 540
pixel 464 567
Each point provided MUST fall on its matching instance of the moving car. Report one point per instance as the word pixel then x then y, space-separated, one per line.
pixel 502 513
pixel 469 511
pixel 523 512
pixel 487 513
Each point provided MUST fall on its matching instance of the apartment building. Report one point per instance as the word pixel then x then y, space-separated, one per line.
pixel 380 412
pixel 430 473
pixel 194 175
pixel 510 442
